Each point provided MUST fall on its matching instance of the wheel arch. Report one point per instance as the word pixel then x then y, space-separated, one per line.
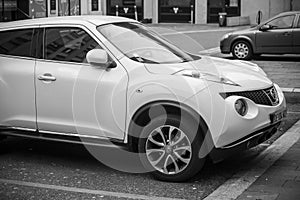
pixel 141 118
pixel 245 39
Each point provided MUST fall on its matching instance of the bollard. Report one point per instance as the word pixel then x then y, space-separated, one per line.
pixel 135 13
pixel 192 14
pixel 117 10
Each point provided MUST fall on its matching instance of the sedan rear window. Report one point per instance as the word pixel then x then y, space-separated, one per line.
pixel 16 42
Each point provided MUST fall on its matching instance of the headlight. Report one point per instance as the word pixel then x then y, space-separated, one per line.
pixel 207 77
pixel 241 107
pixel 226 36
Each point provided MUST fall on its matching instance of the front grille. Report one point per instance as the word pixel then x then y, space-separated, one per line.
pixel 267 96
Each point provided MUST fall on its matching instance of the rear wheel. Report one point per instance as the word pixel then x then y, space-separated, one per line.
pixel 170 149
pixel 242 50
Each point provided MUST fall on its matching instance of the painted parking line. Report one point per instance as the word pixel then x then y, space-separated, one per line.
pixel 235 186
pixel 211 51
pixel 198 31
pixel 84 191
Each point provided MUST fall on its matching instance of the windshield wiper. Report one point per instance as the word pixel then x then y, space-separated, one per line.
pixel 143 60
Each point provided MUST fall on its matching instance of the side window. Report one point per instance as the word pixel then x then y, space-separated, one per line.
pixel 16 42
pixel 68 44
pixel 282 22
pixel 298 22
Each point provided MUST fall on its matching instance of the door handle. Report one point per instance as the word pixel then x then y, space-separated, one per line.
pixel 286 34
pixel 46 77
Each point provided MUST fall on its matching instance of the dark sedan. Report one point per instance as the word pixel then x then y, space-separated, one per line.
pixel 278 35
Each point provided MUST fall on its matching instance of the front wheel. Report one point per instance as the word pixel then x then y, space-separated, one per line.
pixel 170 148
pixel 242 50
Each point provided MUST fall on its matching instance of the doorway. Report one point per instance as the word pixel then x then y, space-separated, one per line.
pixel 176 11
pixel 126 8
pixel 214 7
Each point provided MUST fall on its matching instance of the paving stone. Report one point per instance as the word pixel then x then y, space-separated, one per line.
pixel 257 196
pixel 292 184
pixel 282 173
pixel 289 195
pixel 272 181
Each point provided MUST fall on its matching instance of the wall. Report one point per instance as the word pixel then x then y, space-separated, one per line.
pixel 268 7
pixel 148 8
pixel 201 11
pixel 295 4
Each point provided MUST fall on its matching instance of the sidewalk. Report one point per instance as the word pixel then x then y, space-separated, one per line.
pixel 281 181
pixel 191 27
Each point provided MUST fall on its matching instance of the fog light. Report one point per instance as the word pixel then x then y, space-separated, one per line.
pixel 241 107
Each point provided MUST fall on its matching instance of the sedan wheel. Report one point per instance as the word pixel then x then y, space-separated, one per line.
pixel 242 50
pixel 169 148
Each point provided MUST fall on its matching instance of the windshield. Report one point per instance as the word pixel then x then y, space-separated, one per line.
pixel 142 45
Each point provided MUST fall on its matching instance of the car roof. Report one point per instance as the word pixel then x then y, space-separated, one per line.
pixel 289 13
pixel 82 19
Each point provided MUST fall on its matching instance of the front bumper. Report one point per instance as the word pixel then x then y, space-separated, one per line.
pixel 252 140
pixel 226 126
pixel 225 46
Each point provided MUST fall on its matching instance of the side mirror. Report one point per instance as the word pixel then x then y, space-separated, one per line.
pixel 265 27
pixel 99 58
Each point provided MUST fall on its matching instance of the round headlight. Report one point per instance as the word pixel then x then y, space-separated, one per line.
pixel 241 107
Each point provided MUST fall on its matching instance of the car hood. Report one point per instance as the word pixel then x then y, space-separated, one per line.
pixel 245 74
pixel 245 31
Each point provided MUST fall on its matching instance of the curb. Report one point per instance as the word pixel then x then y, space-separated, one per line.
pixel 291 90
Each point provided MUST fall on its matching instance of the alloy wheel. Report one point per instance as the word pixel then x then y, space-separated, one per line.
pixel 241 50
pixel 168 149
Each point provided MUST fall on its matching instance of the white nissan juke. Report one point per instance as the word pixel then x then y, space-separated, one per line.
pixel 110 81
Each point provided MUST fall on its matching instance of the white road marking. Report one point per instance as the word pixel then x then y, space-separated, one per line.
pixel 235 186
pixel 211 51
pixel 198 31
pixel 85 191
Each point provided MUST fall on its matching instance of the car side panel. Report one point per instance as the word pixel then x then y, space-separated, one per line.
pixel 274 41
pixel 296 37
pixel 17 99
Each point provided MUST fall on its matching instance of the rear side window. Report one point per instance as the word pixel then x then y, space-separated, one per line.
pixel 16 42
pixel 68 44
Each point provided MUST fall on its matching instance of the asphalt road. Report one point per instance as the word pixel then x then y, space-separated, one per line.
pixel 35 169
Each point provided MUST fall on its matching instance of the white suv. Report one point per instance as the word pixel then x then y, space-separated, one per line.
pixel 103 80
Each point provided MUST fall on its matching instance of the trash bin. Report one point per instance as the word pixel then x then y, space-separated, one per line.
pixel 222 19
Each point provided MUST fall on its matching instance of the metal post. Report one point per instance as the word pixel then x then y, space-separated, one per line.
pixel 135 12
pixel 192 14
pixel 117 10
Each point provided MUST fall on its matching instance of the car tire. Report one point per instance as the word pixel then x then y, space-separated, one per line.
pixel 174 159
pixel 242 50
pixel 2 137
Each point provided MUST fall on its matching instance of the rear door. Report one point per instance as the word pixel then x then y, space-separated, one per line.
pixel 17 91
pixel 72 96
pixel 278 39
pixel 296 37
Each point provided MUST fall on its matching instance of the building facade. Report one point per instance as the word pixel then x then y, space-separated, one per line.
pixel 155 11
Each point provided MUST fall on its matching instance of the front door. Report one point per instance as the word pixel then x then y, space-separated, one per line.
pixel 17 62
pixel 74 97
pixel 279 38
pixel 176 11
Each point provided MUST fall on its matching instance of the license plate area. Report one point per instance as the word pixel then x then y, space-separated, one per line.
pixel 277 116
